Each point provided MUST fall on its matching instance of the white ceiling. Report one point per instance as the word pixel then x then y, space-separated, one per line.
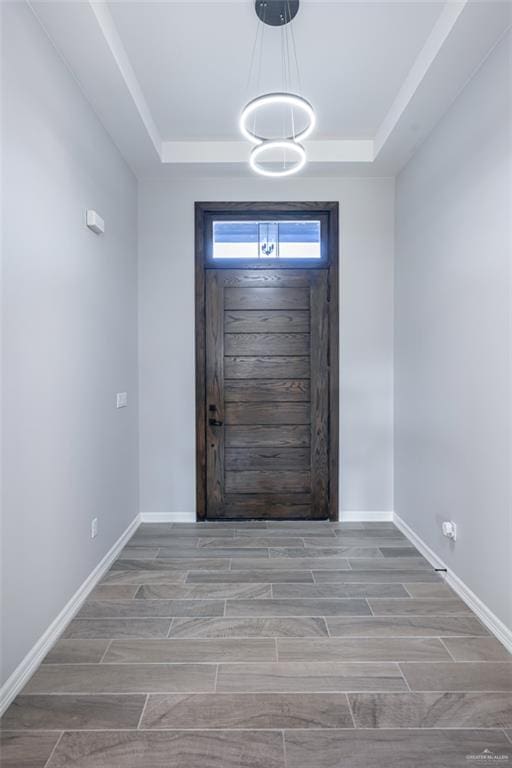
pixel 192 61
pixel 168 79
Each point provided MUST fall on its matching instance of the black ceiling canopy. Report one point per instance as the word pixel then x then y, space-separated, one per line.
pixel 276 12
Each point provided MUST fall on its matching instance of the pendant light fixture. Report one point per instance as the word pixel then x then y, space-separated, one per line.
pixel 277 152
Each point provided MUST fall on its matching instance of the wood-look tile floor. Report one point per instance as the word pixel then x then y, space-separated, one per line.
pixel 267 645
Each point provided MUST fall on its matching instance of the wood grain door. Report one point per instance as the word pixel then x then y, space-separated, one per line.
pixel 267 394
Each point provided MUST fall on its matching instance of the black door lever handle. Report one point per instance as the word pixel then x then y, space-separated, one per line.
pixel 215 423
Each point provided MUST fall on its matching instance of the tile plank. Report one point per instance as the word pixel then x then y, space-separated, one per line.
pixel 470 676
pixel 321 591
pixel 392 551
pixel 108 628
pixel 378 577
pixel 290 677
pixel 119 609
pixel 389 749
pixel 177 552
pixel 406 626
pixel 418 607
pixel 77 652
pixel 170 749
pixel 253 542
pixel 249 627
pixel 144 577
pixel 432 710
pixel 295 531
pixel 430 590
pixel 26 750
pixel 139 553
pixel 204 591
pixel 189 650
pixel 362 539
pixel 122 678
pixel 298 607
pixel 285 563
pixel 373 552
pixel 113 592
pixel 477 649
pixel 362 649
pixel 386 563
pixel 71 712
pixel 248 710
pixel 168 564
pixel 249 577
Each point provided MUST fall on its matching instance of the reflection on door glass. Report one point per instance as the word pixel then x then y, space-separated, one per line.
pixel 298 239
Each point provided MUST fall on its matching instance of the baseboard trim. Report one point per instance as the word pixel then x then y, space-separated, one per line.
pixel 28 665
pixel 190 517
pixel 168 517
pixel 486 616
pixel 420 545
pixel 376 516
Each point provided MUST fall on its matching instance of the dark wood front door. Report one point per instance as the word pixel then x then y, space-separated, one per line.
pixel 268 395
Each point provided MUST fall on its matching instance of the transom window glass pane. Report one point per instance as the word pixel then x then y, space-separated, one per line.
pixel 266 239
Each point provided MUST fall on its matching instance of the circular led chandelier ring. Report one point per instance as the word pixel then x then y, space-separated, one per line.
pixel 285 144
pixel 271 99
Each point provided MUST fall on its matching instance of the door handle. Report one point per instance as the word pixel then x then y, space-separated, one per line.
pixel 215 423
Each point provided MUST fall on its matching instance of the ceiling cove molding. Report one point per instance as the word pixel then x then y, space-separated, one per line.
pixel 325 151
pixel 435 41
pixel 111 35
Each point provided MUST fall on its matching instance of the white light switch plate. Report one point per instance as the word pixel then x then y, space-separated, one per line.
pixel 121 399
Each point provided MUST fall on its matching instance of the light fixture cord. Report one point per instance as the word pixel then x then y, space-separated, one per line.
pixel 284 82
pixel 262 23
pixel 289 23
pixel 252 61
pixel 294 49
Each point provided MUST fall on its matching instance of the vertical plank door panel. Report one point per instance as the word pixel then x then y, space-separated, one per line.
pixel 267 371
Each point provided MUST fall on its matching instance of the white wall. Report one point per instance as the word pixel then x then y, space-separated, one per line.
pixel 69 306
pixel 453 336
pixel 166 333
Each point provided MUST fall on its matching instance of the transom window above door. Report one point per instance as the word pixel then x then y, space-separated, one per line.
pixel 266 239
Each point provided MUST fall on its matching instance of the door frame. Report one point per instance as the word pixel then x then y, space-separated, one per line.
pixel 203 211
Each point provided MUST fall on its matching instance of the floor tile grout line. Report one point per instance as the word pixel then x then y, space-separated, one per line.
pixel 447 649
pixel 50 756
pixel 315 729
pixel 146 700
pixel 285 759
pixel 267 692
pixel 350 710
pixel 213 662
pixel 107 649
pixel 333 691
pixel 382 616
pixel 404 677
